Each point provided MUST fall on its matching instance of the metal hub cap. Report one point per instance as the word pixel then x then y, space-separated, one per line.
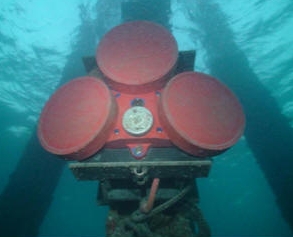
pixel 137 120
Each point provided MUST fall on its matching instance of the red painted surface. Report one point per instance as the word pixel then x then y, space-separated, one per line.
pixel 78 118
pixel 137 56
pixel 156 137
pixel 194 111
pixel 200 115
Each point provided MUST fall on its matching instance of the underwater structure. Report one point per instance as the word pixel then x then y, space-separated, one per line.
pixel 145 125
pixel 152 186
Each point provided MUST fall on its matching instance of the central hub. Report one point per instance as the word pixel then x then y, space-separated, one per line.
pixel 137 120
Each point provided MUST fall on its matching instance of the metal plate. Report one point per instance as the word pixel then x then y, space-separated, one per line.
pixel 160 163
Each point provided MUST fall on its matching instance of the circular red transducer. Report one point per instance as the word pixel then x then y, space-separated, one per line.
pixel 137 56
pixel 77 119
pixel 200 114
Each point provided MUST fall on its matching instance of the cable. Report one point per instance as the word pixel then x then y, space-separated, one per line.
pixel 138 216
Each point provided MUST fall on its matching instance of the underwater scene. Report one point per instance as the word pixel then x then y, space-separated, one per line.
pixel 137 118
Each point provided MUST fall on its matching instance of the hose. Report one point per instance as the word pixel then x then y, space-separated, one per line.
pixel 138 216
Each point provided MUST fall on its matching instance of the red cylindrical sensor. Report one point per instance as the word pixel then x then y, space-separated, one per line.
pixel 137 56
pixel 200 114
pixel 78 118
